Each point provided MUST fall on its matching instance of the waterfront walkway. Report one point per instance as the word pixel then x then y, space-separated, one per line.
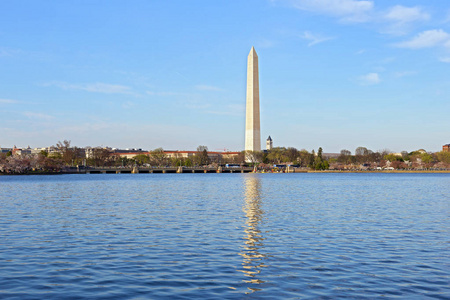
pixel 134 170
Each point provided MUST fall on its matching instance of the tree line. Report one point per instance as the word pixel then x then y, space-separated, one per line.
pixel 68 156
pixel 419 159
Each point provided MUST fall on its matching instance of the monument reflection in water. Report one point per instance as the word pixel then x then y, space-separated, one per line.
pixel 253 259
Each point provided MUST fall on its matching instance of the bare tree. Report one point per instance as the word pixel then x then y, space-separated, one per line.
pixel 101 157
pixel 253 156
pixel 65 151
pixel 158 156
pixel 201 148
pixel 345 157
pixel 69 155
pixel 361 151
pixel 239 159
pixel 346 152
pixel 201 157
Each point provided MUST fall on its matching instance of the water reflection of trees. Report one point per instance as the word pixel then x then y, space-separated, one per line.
pixel 253 258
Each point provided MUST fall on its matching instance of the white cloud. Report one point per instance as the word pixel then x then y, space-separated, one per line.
pixel 349 10
pixel 445 59
pixel 395 20
pixel 447 18
pixel 93 87
pixel 128 104
pixel 230 110
pixel 400 19
pixel 34 115
pixel 203 87
pixel 8 101
pixel 403 14
pixel 264 43
pixel 106 88
pixel 427 39
pixel 447 44
pixel 404 73
pixel 370 79
pixel 9 52
pixel 151 93
pixel 195 104
pixel 4 52
pixel 314 38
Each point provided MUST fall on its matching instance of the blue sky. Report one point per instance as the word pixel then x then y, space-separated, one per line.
pixel 335 74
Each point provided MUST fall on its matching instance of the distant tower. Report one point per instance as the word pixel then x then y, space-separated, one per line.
pixel 269 143
pixel 252 124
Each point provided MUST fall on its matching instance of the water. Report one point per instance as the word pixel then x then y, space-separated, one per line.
pixel 238 236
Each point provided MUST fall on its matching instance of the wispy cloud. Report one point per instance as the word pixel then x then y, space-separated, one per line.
pixel 229 110
pixel 427 39
pixel 35 115
pixel 200 87
pixel 164 94
pixel 400 18
pixel 395 20
pixel 8 101
pixel 315 38
pixel 404 74
pixel 445 59
pixel 447 17
pixel 93 87
pixel 403 14
pixel 195 104
pixel 264 43
pixel 370 79
pixel 9 52
pixel 203 87
pixel 128 104
pixel 346 10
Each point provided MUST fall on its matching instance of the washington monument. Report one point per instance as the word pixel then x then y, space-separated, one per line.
pixel 252 124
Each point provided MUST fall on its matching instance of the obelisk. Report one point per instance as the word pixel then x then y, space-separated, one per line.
pixel 252 124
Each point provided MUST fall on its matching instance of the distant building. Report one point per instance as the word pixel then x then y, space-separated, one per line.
pixel 128 153
pixel 21 151
pixel 5 150
pixel 269 143
pixel 215 156
pixel 50 150
pixel 446 148
pixel 89 151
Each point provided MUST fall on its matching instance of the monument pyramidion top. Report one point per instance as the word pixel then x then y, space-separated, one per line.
pixel 253 52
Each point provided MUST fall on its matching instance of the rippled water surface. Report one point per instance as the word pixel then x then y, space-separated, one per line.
pixel 153 236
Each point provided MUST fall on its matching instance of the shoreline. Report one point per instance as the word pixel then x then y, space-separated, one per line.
pixel 295 171
pixel 384 172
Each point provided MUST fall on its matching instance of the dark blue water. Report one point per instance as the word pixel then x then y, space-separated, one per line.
pixel 191 236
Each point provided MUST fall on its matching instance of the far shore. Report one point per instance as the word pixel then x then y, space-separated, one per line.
pixel 378 171
pixel 261 172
